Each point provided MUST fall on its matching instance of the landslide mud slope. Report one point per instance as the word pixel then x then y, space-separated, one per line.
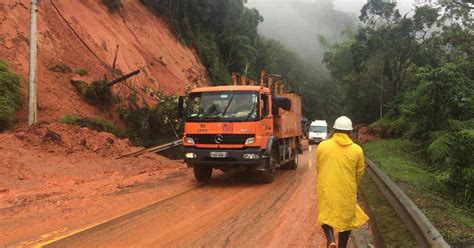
pixel 84 34
pixel 55 178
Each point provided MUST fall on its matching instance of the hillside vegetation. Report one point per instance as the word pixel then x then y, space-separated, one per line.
pixel 400 161
pixel 224 33
pixel 412 76
pixel 10 96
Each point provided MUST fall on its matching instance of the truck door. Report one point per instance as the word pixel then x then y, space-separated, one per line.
pixel 265 113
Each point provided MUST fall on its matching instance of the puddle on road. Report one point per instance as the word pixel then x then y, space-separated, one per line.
pixel 311 155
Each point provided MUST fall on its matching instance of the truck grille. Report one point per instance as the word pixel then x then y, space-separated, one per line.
pixel 227 139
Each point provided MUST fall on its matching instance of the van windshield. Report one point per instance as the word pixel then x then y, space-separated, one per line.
pixel 318 129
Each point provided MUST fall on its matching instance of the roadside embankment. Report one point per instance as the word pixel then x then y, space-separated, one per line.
pixel 399 161
pixel 82 40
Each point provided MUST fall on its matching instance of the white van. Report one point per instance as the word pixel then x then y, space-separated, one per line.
pixel 318 131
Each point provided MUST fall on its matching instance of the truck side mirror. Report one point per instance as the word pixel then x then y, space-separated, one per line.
pixel 180 106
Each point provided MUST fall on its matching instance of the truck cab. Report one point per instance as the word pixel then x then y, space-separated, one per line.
pixel 231 127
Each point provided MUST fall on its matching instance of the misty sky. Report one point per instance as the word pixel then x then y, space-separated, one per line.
pixel 356 5
pixel 353 6
pixel 298 23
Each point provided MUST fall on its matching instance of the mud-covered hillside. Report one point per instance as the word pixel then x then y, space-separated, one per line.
pixel 83 37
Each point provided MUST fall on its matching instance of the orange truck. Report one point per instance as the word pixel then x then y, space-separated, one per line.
pixel 242 127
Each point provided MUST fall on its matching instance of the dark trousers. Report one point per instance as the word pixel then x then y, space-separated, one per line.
pixel 342 239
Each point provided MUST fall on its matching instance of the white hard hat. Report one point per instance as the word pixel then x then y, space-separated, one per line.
pixel 343 123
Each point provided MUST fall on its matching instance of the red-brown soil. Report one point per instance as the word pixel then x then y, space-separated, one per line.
pixel 59 175
pixel 365 134
pixel 84 34
pixel 232 210
pixel 55 175
pixel 57 180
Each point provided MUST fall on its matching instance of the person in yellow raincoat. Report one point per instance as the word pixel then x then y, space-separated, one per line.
pixel 340 165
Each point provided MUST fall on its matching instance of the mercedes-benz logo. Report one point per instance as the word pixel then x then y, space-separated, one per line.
pixel 219 138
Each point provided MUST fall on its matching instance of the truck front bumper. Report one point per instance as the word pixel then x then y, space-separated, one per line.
pixel 234 157
pixel 315 139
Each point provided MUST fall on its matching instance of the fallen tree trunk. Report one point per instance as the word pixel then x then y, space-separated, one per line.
pixel 123 78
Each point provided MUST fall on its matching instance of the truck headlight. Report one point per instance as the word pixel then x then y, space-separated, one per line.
pixel 190 155
pixel 250 140
pixel 251 156
pixel 189 140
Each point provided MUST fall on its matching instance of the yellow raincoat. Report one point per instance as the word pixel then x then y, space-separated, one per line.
pixel 340 164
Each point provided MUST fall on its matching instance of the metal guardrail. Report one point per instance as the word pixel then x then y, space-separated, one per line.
pixel 158 148
pixel 421 228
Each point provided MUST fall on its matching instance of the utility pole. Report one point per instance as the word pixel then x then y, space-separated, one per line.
pixel 32 72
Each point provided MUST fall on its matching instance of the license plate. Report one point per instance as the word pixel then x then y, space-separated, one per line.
pixel 218 154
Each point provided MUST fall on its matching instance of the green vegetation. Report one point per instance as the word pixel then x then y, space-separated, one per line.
pixel 419 70
pixel 97 93
pixel 391 227
pixel 410 75
pixel 224 34
pixel 145 126
pixel 81 72
pixel 148 126
pixel 95 123
pixel 400 161
pixel 112 5
pixel 10 95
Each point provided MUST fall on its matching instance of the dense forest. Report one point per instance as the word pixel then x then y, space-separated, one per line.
pixel 408 75
pixel 412 76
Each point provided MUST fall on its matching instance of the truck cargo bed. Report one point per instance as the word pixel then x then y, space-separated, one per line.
pixel 288 123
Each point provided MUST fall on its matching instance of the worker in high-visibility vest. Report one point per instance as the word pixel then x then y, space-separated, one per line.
pixel 340 165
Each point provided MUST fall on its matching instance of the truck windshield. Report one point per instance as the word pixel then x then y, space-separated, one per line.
pixel 318 129
pixel 223 106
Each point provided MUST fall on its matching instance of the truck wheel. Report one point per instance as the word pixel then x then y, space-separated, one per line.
pixel 293 164
pixel 202 173
pixel 269 174
pixel 299 148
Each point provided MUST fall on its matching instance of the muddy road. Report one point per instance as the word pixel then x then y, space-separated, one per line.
pixel 234 210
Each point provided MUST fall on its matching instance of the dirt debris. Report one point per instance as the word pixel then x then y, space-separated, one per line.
pixel 57 168
pixel 365 134
pixel 80 34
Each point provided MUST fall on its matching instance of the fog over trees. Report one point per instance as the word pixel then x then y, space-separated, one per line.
pixel 297 24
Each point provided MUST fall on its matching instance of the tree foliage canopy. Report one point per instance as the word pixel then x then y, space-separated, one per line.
pixel 414 77
pixel 224 34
